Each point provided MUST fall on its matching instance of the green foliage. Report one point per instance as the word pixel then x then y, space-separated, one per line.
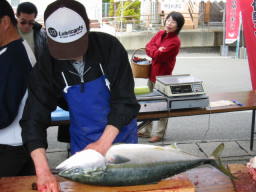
pixel 131 10
pixel 111 8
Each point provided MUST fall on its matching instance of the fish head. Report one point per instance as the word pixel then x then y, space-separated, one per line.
pixel 86 160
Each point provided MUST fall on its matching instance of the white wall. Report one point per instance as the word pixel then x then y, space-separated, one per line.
pixel 93 8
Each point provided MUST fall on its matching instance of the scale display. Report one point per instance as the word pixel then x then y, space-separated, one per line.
pixel 181 89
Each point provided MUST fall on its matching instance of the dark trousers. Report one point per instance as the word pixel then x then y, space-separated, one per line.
pixel 15 161
pixel 63 133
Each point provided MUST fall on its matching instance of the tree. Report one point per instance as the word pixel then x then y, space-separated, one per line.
pixel 131 10
pixel 111 8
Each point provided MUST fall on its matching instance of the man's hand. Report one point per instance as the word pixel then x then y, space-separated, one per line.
pixel 46 182
pixel 105 141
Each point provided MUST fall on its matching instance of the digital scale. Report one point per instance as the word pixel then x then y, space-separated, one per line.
pixel 179 85
pixel 174 92
pixel 182 91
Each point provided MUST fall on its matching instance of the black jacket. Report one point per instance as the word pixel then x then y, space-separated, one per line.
pixel 14 70
pixel 46 87
pixel 39 38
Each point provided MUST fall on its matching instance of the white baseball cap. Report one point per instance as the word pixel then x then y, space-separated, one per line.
pixel 67 27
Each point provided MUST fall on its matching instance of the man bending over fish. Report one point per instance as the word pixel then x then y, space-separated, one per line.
pixel 87 73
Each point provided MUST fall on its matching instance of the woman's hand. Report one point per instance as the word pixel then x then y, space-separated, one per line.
pixel 161 49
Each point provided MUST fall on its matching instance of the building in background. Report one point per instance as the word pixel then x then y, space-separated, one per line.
pixel 93 8
pixel 154 11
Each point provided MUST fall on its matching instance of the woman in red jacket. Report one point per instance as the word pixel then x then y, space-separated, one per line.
pixel 163 49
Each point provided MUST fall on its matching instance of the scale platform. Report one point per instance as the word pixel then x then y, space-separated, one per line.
pixel 188 102
pixel 152 102
pixel 157 101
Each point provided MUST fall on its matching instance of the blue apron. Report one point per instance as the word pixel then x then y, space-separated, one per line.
pixel 89 111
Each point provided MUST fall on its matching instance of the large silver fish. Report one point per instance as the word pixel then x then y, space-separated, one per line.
pixel 132 164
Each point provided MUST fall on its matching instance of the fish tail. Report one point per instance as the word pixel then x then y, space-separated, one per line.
pixel 216 162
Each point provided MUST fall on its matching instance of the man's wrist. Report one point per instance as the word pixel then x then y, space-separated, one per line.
pixel 40 161
pixel 109 135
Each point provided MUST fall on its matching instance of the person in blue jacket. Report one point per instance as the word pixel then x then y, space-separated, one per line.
pixel 16 60
pixel 87 73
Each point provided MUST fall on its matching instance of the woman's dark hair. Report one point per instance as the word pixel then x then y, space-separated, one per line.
pixel 178 17
pixel 6 10
pixel 26 7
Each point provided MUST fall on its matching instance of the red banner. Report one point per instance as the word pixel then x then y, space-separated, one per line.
pixel 232 21
pixel 248 8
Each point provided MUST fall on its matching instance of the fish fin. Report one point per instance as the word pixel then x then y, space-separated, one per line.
pixel 219 165
pixel 173 146
pixel 218 151
pixel 118 159
pixel 216 161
